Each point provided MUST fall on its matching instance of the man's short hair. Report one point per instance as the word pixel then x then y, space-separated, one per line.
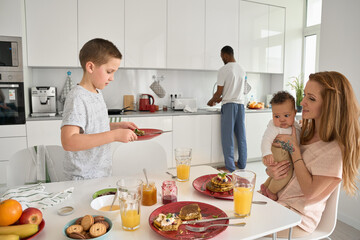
pixel 281 97
pixel 228 50
pixel 98 51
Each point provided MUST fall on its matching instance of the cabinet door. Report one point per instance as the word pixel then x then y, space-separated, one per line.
pixel 194 132
pixel 253 36
pixel 103 19
pixel 145 33
pixel 186 34
pixel 221 29
pixel 10 18
pixel 43 132
pixel 256 124
pixel 52 33
pixel 276 39
pixel 217 155
pixel 165 140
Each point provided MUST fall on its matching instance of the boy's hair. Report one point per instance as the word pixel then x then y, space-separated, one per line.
pixel 228 50
pixel 98 51
pixel 281 97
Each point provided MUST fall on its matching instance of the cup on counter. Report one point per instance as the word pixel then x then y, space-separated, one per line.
pixel 244 184
pixel 149 196
pixel 130 201
pixel 152 108
pixel 183 162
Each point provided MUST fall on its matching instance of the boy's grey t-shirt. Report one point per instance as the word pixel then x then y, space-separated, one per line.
pixel 88 111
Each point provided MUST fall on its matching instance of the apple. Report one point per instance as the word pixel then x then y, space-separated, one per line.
pixel 31 215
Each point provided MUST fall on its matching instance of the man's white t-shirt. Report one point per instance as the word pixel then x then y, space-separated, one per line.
pixel 232 77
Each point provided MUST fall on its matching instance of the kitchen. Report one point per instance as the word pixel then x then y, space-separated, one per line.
pixel 135 74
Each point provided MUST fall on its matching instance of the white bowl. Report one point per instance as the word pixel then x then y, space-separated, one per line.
pixel 103 201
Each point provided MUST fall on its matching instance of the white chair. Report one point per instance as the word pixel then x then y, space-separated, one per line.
pixel 57 156
pixel 131 158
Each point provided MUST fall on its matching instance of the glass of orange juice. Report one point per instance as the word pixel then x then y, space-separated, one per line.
pixel 244 184
pixel 129 190
pixel 183 161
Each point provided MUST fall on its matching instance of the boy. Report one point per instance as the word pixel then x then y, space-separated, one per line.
pixel 85 129
pixel 284 112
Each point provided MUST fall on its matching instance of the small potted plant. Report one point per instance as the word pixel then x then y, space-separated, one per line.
pixel 298 85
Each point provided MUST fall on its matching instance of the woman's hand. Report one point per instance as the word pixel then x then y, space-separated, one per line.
pixel 278 170
pixel 288 142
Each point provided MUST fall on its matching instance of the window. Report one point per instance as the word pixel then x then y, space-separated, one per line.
pixel 311 37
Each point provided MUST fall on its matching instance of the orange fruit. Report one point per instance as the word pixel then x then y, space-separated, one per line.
pixel 10 212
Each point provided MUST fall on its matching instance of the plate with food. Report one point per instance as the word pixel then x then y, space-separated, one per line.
pixel 215 185
pixel 147 133
pixel 255 105
pixel 168 219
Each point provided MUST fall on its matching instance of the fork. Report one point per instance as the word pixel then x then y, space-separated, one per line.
pixel 203 229
pixel 172 175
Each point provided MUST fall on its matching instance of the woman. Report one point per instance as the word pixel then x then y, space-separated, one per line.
pixel 329 149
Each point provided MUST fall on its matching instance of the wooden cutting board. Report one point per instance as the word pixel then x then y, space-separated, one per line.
pixel 129 101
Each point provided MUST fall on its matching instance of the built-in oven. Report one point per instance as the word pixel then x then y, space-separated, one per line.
pixel 12 103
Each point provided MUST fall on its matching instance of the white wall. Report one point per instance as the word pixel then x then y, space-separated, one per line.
pixel 340 51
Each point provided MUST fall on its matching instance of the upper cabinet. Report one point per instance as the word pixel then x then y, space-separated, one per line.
pixel 52 33
pixel 10 18
pixel 145 33
pixel 261 37
pixel 186 34
pixel 221 29
pixel 101 20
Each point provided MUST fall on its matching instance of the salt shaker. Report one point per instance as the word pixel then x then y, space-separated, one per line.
pixel 169 192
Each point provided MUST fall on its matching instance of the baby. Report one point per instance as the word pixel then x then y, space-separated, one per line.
pixel 284 112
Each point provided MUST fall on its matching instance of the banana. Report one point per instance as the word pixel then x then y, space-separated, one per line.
pixel 9 237
pixel 23 231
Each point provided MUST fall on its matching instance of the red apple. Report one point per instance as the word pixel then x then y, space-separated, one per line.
pixel 31 215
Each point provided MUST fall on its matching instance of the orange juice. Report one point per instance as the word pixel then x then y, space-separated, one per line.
pixel 183 172
pixel 130 219
pixel 242 200
pixel 107 208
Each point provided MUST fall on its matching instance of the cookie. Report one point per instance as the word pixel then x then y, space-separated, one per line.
pixel 107 225
pixel 76 235
pixel 97 230
pixel 78 221
pixel 87 222
pixel 98 219
pixel 74 229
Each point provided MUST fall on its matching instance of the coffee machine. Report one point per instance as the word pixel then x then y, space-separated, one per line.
pixel 43 101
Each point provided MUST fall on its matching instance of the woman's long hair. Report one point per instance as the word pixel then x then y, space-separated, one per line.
pixel 339 121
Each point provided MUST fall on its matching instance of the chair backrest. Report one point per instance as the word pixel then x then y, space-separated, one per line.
pixel 56 167
pixel 131 158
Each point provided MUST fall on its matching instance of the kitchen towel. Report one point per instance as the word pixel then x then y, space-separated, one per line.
pixel 67 88
pixel 188 109
pixel 35 196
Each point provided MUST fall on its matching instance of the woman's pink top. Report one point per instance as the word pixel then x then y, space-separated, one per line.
pixel 321 159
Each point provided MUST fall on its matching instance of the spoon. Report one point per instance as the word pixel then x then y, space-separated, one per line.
pixel 147 182
pixel 112 204
pixel 172 176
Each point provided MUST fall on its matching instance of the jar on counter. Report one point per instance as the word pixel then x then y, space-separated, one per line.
pixel 169 192
pixel 149 196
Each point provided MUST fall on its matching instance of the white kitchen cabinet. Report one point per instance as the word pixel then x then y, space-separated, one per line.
pixel 193 132
pixel 103 19
pixel 276 39
pixel 253 36
pixel 256 124
pixel 221 29
pixel 10 18
pixel 145 33
pixel 217 155
pixel 43 132
pixel 52 33
pixel 186 34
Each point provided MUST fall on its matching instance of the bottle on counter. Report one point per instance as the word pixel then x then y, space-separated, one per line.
pixel 169 192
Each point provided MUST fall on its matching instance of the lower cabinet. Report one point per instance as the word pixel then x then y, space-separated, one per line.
pixel 43 132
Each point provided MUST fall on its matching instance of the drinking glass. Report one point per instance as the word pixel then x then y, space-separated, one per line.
pixel 183 161
pixel 244 184
pixel 129 190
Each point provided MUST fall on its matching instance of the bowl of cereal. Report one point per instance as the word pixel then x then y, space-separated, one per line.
pixel 102 206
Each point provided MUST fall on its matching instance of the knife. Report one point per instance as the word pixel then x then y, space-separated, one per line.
pixel 158 132
pixel 210 220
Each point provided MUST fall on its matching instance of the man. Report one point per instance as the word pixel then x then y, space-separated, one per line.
pixel 230 91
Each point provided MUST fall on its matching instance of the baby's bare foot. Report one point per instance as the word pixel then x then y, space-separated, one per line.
pixel 263 190
pixel 271 195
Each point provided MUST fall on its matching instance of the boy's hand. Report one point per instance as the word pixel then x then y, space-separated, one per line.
pixel 125 135
pixel 268 160
pixel 127 125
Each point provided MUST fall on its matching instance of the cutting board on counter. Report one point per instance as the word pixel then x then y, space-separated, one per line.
pixel 129 101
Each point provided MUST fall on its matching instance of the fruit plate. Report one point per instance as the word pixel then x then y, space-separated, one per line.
pixel 207 211
pixel 41 227
pixel 148 134
pixel 103 192
pixel 200 185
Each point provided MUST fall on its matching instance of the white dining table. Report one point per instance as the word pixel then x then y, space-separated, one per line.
pixel 264 219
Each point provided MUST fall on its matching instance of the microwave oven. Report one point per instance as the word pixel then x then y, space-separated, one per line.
pixel 11 67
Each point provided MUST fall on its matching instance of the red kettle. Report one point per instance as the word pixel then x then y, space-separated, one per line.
pixel 145 101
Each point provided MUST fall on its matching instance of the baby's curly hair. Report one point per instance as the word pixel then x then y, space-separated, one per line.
pixel 281 97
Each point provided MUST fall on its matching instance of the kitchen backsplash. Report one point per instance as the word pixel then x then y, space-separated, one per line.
pixel 188 83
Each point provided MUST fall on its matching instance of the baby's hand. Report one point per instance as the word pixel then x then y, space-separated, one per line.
pixel 268 160
pixel 125 135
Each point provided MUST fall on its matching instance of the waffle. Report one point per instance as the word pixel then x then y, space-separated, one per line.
pixel 190 212
pixel 158 223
